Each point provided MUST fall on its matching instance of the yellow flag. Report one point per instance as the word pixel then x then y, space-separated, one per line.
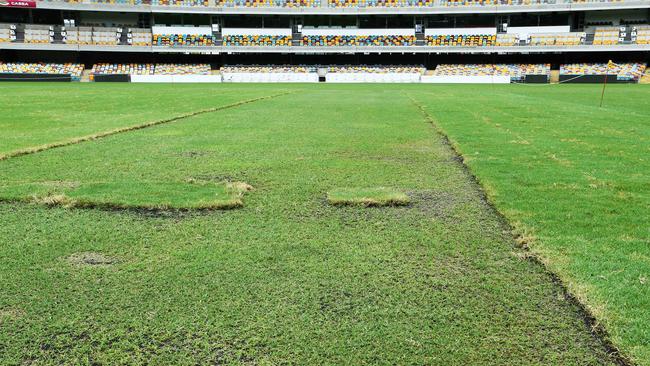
pixel 610 64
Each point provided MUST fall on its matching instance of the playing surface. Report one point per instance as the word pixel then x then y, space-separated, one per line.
pixel 115 251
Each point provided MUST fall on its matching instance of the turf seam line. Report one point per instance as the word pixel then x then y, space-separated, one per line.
pixel 114 207
pixel 596 329
pixel 96 136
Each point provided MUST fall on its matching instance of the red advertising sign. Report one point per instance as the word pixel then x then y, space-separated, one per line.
pixel 18 3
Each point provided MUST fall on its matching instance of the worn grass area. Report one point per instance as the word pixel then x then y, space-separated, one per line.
pixel 574 180
pixel 379 196
pixel 287 278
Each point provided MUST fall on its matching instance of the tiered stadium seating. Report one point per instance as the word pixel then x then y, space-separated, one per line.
pixel 518 72
pixel 377 69
pixel 189 3
pixel 469 70
pixel 516 2
pixel 181 2
pixel 506 40
pixel 139 36
pixel 515 71
pixel 374 74
pixel 358 40
pixel 108 2
pixel 379 3
pixel 606 36
pixel 256 40
pixel 77 35
pixel 626 71
pixel 333 3
pixel 74 70
pixel 125 69
pixel 182 69
pixel 151 69
pixel 268 3
pixel 449 3
pixel 39 33
pixel 267 69
pixel 469 2
pixel 183 40
pixel 7 32
pixel 643 34
pixel 266 74
pixel 461 40
pixel 557 39
pixel 106 36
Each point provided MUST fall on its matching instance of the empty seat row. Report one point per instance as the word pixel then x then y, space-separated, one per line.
pixel 606 36
pixel 557 39
pixel 256 40
pixel 268 69
pixel 462 40
pixel 334 3
pixel 183 40
pixel 628 70
pixel 75 70
pixel 7 32
pixel 106 36
pixel 139 36
pixel 376 69
pixel 642 34
pixel 268 3
pixel 514 71
pixel 151 69
pixel 387 40
pixel 39 33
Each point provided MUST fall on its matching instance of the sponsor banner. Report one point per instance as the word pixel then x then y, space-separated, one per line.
pixel 18 3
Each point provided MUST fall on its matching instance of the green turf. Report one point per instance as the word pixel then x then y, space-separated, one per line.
pixel 288 278
pixel 50 113
pixel 574 179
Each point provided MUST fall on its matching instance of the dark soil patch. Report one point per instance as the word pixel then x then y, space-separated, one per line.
pixel 433 203
pixel 194 154
pixel 91 259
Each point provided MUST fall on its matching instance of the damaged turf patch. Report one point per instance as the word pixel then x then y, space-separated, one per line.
pixel 380 196
pixel 91 259
pixel 138 195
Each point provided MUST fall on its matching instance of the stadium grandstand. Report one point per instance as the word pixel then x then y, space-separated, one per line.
pixel 459 39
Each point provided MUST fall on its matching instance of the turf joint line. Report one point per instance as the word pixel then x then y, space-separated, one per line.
pixel 367 197
pixel 96 136
pixel 522 242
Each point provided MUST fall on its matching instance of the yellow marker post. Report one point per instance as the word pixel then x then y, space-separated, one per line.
pixel 610 64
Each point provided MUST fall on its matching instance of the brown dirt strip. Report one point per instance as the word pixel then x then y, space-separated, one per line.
pixel 521 241
pixel 77 140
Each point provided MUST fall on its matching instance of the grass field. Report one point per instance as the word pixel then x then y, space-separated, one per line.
pixel 121 245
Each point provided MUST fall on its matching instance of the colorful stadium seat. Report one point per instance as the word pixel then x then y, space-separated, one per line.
pixel 358 40
pixel 256 40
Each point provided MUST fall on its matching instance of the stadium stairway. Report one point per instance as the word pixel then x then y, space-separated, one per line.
pixel 645 79
pixel 85 76
pixel 555 76
pixel 420 39
pixel 296 38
